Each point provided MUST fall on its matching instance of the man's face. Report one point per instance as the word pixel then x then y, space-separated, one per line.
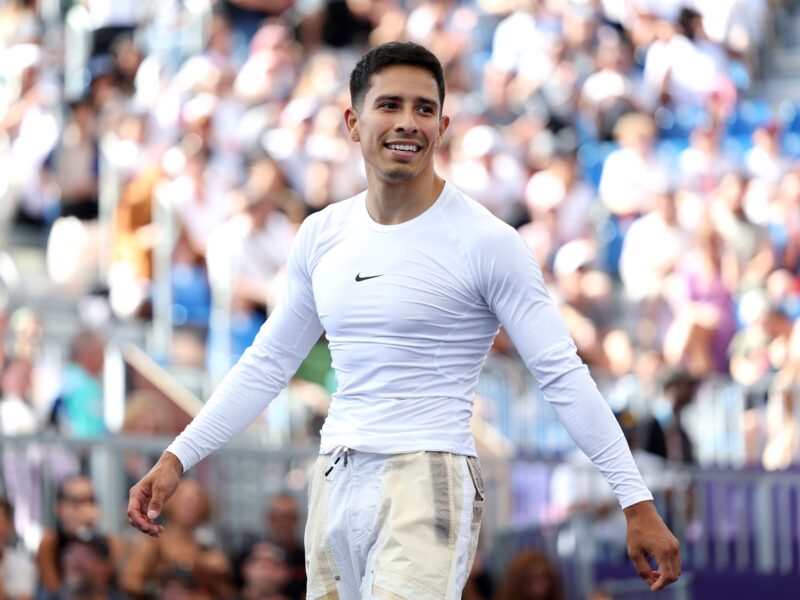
pixel 400 123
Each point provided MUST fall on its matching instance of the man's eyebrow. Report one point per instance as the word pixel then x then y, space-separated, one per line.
pixel 396 98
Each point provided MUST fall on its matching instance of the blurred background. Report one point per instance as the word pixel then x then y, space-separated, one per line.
pixel 156 159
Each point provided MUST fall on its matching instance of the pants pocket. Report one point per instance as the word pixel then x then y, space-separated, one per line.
pixel 474 466
pixel 323 573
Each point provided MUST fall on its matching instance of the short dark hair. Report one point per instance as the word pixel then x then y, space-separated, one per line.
pixel 95 542
pixel 389 55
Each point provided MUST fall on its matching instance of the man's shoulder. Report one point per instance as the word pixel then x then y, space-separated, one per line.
pixel 471 219
pixel 333 214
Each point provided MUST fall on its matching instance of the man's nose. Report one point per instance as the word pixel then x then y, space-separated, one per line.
pixel 407 122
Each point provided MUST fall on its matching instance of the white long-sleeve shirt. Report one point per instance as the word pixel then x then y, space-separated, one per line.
pixel 410 312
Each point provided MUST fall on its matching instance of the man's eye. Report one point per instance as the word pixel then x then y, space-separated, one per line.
pixel 426 109
pixel 388 105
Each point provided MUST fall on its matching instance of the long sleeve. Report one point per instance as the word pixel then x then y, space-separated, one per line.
pixel 514 290
pixel 263 370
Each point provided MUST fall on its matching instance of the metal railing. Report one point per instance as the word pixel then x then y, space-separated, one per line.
pixel 740 521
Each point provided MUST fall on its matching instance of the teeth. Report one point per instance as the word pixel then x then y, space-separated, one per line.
pixel 404 147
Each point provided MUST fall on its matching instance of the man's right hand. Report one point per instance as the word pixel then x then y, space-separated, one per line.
pixel 147 498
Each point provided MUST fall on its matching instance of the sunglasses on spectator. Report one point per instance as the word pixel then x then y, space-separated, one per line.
pixel 90 499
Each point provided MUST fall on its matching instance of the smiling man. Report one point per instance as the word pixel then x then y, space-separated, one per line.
pixel 410 280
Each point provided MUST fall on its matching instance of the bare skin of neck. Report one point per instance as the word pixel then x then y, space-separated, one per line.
pixel 394 202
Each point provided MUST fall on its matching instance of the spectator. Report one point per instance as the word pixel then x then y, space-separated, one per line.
pixel 747 244
pixel 135 236
pixel 88 571
pixel 265 574
pixel 30 125
pixel 765 159
pixel 17 570
pixel 77 518
pixel 27 334
pixel 282 524
pixel 179 583
pixel 703 164
pixel 110 20
pixel 531 576
pixel 77 163
pixel 685 67
pixel 558 188
pixel 680 390
pixel 479 584
pixel 784 223
pixel 485 169
pixel 703 320
pixel 247 252
pixel 632 173
pixel 146 415
pixel 17 415
pixel 182 545
pixel 19 23
pixel 79 408
pixel 653 247
pixel 610 92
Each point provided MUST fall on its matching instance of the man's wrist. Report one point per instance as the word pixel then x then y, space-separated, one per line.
pixel 639 509
pixel 172 461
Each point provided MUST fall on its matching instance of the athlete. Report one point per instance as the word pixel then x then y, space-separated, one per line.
pixel 410 280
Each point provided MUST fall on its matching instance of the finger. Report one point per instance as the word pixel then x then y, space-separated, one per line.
pixel 136 516
pixel 156 503
pixel 145 526
pixel 643 568
pixel 668 568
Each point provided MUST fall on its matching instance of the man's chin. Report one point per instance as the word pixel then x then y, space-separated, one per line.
pixel 398 175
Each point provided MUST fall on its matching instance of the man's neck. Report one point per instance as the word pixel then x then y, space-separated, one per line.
pixel 390 203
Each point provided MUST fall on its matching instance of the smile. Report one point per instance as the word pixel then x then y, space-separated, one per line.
pixel 404 147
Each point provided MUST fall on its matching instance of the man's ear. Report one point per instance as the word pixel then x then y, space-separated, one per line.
pixel 444 122
pixel 351 122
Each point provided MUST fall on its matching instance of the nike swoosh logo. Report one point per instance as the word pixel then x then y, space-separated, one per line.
pixel 360 278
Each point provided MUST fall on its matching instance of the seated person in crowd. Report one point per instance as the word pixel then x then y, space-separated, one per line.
pixel 265 574
pixel 282 528
pixel 88 571
pixel 17 570
pixel 531 576
pixel 181 544
pixel 77 517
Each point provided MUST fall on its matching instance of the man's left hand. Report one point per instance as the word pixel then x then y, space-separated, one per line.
pixel 649 537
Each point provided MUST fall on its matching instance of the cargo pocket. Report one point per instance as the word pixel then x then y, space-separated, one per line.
pixel 474 467
pixel 323 574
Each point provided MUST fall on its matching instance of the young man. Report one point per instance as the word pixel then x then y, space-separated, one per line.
pixel 410 280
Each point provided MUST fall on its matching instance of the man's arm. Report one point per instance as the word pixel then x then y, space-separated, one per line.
pixel 262 372
pixel 514 289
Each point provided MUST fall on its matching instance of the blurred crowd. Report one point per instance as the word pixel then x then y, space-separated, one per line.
pixel 173 148
pixel 77 560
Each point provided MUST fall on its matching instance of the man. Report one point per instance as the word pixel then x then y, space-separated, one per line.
pixel 410 280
